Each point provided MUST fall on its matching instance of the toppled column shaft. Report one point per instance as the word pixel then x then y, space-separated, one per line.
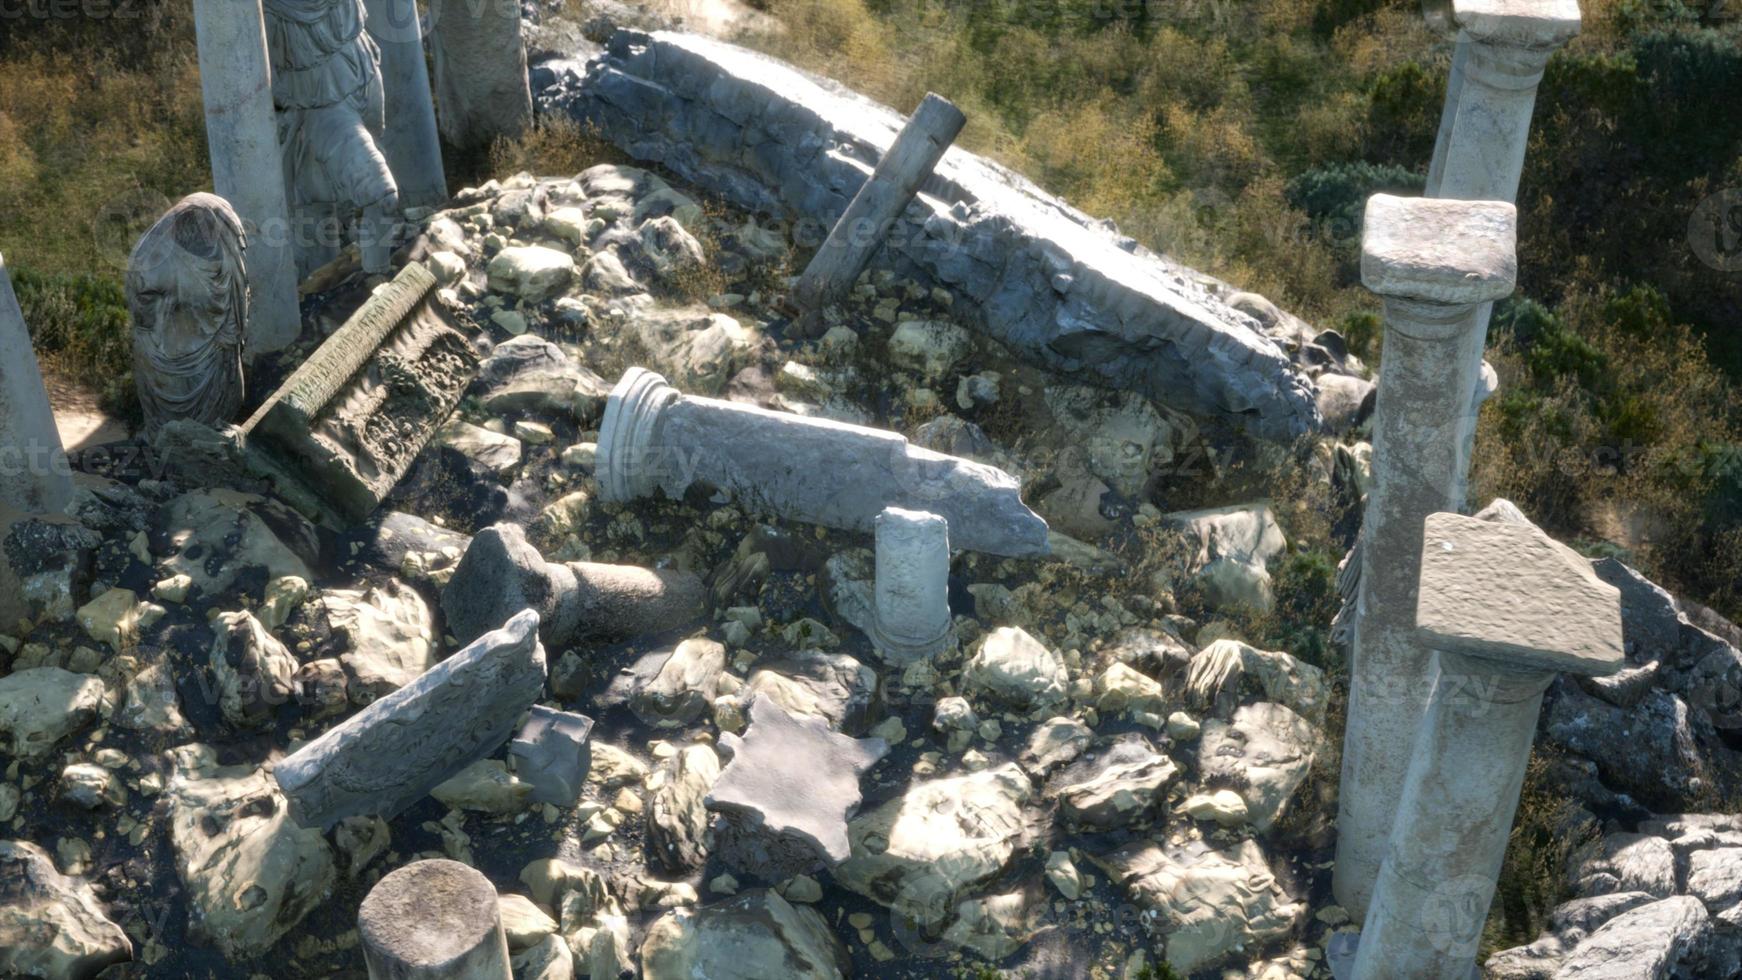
pixel 1433 262
pixel 502 574
pixel 816 470
pixel 1505 607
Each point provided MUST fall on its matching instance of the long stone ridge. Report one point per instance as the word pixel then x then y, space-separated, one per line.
pixel 1051 282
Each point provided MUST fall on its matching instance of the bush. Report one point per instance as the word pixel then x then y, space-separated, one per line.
pixel 1335 197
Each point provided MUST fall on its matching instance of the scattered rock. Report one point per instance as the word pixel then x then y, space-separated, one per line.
pixel 40 706
pixel 755 934
pixel 1015 668
pixel 51 925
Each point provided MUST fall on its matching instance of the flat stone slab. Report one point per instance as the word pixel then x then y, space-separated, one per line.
pixel 791 774
pixel 1438 250
pixel 1519 23
pixel 1509 592
pixel 392 753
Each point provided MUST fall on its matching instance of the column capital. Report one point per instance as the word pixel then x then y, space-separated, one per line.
pixel 1511 596
pixel 626 437
pixel 1452 253
pixel 1533 24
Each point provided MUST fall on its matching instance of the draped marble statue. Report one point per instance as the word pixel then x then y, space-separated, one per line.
pixel 187 293
pixel 326 86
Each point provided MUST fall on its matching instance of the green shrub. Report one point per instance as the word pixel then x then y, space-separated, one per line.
pixel 1335 197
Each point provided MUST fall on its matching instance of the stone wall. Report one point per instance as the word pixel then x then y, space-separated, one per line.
pixel 1049 281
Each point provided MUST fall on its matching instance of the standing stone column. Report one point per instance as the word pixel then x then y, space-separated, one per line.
pixel 1503 46
pixel 1433 262
pixel 434 920
pixel 1505 607
pixel 34 475
pixel 910 612
pixel 242 135
pixel 480 71
pixel 656 439
pixel 881 199
pixel 413 151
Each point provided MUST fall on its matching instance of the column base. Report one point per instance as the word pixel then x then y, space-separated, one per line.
pixel 628 435
pixel 898 649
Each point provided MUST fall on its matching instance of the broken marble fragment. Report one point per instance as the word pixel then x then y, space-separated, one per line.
pixel 502 574
pixel 787 793
pixel 389 755
pixel 551 752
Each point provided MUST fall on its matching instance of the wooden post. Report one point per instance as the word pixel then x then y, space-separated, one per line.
pixel 885 194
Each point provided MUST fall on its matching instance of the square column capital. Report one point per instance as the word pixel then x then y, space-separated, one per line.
pixel 1535 24
pixel 1438 250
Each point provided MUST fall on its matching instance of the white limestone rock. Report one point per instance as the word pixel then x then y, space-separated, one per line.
pixel 756 934
pixel 1013 667
pixel 1646 943
pixel 41 705
pixel 253 672
pixel 389 635
pixel 1224 671
pixel 495 451
pixel 250 872
pixel 1264 753
pixel 52 925
pixel 923 852
pixel 683 688
pixel 1232 547
pixel 531 273
pixel 215 535
pixel 929 347
pixel 485 786
pixel 678 824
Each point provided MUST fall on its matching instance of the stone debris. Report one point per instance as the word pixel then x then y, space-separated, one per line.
pixel 755 934
pixel 552 752
pixel 389 755
pixel 39 706
pixel 52 925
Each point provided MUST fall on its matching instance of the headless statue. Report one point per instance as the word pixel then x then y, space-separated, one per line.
pixel 326 86
pixel 187 293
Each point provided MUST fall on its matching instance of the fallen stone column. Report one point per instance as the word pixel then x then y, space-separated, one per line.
pixel 336 437
pixel 880 200
pixel 1505 607
pixel 35 477
pixel 655 438
pixel 392 753
pixel 1433 262
pixel 410 143
pixel 242 134
pixel 910 612
pixel 1503 46
pixel 434 920
pixel 502 573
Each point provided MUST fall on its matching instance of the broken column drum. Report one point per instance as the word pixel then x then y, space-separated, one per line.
pixel 434 920
pixel 1433 262
pixel 35 477
pixel 910 610
pixel 1505 607
pixel 880 200
pixel 242 136
pixel 1503 46
pixel 655 438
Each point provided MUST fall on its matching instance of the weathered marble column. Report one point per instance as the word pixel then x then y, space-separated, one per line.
pixel 34 475
pixel 880 200
pixel 434 920
pixel 480 70
pixel 910 610
pixel 1505 607
pixel 242 135
pixel 655 438
pixel 1503 46
pixel 502 573
pixel 1434 262
pixel 413 151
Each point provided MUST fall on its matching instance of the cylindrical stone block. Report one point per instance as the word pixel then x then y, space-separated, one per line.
pixel 34 475
pixel 434 920
pixel 247 168
pixel 910 616
pixel 1455 816
pixel 1434 262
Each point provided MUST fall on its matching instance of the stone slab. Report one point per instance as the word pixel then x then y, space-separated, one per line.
pixel 1509 592
pixel 1439 251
